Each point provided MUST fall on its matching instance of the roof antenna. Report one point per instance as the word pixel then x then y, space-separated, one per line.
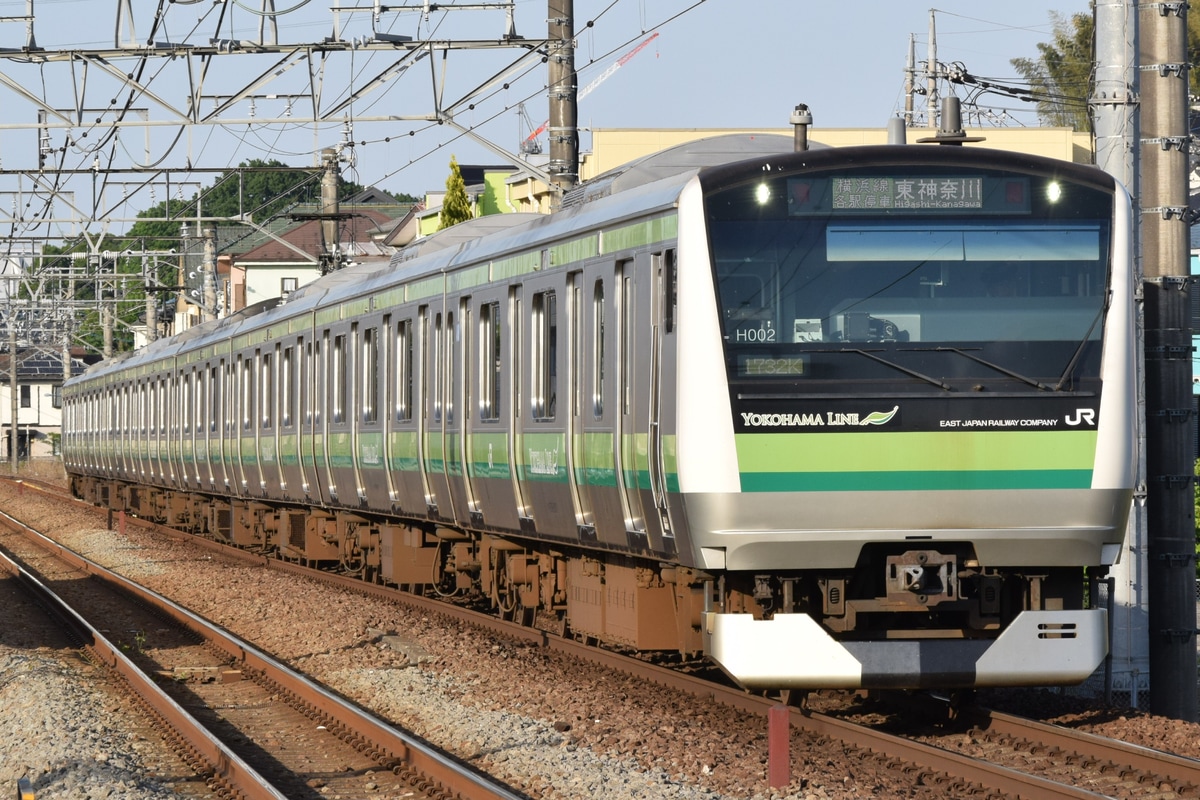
pixel 950 131
pixel 801 119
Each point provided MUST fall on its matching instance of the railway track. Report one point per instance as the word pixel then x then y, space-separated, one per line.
pixel 996 755
pixel 248 725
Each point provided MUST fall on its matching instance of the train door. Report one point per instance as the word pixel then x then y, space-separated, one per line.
pixel 489 452
pixel 642 456
pixel 595 446
pixel 435 453
pixel 545 417
pixel 339 477
pixel 404 415
pixel 457 412
pixel 374 487
pixel 312 443
pixel 269 421
pixel 290 481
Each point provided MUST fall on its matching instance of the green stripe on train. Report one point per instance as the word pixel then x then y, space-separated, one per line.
pixel 900 461
pixel 916 480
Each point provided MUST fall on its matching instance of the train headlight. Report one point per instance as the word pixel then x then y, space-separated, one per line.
pixel 762 194
pixel 1053 191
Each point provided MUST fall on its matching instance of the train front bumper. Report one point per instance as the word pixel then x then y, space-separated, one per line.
pixel 791 651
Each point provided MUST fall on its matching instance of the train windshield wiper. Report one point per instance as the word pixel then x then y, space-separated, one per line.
pixel 1070 368
pixel 1003 370
pixel 895 366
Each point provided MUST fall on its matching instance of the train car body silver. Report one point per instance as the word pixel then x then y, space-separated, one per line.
pixel 852 418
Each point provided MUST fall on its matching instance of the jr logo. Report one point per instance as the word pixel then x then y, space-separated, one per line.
pixel 1082 415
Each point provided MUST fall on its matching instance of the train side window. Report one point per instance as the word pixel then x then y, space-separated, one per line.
pixel 436 376
pixel 545 355
pixel 318 380
pixel 264 394
pixel 598 350
pixel 404 370
pixel 246 381
pixel 370 375
pixel 164 394
pixel 287 403
pixel 338 389
pixel 489 361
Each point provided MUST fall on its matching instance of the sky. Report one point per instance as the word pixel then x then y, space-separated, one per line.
pixel 713 64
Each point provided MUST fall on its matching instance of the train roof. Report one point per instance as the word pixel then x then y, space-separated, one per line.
pixel 643 186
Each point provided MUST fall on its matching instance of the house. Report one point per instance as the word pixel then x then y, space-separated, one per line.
pixel 39 402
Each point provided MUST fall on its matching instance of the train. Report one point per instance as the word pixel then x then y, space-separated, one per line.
pixel 857 418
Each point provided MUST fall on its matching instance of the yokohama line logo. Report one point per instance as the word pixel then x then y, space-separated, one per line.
pixel 828 419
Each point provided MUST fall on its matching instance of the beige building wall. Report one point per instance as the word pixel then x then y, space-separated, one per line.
pixel 612 147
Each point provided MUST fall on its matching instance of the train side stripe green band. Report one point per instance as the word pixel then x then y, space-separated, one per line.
pixel 904 452
pixel 925 480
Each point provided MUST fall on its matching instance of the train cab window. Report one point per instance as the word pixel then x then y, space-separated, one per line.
pixel 370 375
pixel 338 378
pixel 489 361
pixel 404 370
pixel 545 355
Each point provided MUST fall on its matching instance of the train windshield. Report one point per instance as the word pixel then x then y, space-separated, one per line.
pixel 910 276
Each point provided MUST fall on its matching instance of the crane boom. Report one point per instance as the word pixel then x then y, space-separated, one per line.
pixel 601 78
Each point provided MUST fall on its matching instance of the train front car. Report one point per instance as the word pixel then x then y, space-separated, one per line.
pixel 924 442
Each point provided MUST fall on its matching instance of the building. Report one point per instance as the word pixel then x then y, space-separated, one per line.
pixel 39 403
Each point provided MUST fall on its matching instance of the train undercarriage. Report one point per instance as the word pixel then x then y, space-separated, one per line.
pixel 896 593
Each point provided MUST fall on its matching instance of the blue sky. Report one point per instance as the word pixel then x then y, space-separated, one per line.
pixel 715 63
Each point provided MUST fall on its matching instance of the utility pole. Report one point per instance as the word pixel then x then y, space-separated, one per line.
pixel 1171 536
pixel 331 255
pixel 1115 104
pixel 14 388
pixel 209 311
pixel 931 73
pixel 563 131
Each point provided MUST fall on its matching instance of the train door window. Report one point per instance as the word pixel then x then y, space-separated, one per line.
pixel 489 361
pixel 319 376
pixel 214 398
pixel 627 327
pixel 448 379
pixel 545 355
pixel 598 350
pixel 370 375
pixel 246 387
pixel 265 396
pixel 164 396
pixel 338 377
pixel 287 398
pixel 404 370
pixel 436 375
pixel 185 405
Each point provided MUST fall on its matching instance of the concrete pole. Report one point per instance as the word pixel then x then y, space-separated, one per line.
pixel 332 257
pixel 1171 534
pixel 14 389
pixel 1115 117
pixel 931 70
pixel 151 300
pixel 910 80
pixel 563 130
pixel 210 275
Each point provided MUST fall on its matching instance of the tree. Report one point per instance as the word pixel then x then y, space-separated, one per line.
pixel 1062 77
pixel 456 206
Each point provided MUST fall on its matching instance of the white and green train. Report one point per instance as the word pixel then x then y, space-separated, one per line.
pixel 855 417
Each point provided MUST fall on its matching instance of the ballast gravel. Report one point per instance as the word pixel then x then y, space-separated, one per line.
pixel 60 737
pixel 542 722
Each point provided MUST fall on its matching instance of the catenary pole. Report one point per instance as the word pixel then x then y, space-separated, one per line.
pixel 1169 500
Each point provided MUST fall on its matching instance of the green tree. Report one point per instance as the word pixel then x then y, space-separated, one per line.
pixel 456 206
pixel 1062 77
